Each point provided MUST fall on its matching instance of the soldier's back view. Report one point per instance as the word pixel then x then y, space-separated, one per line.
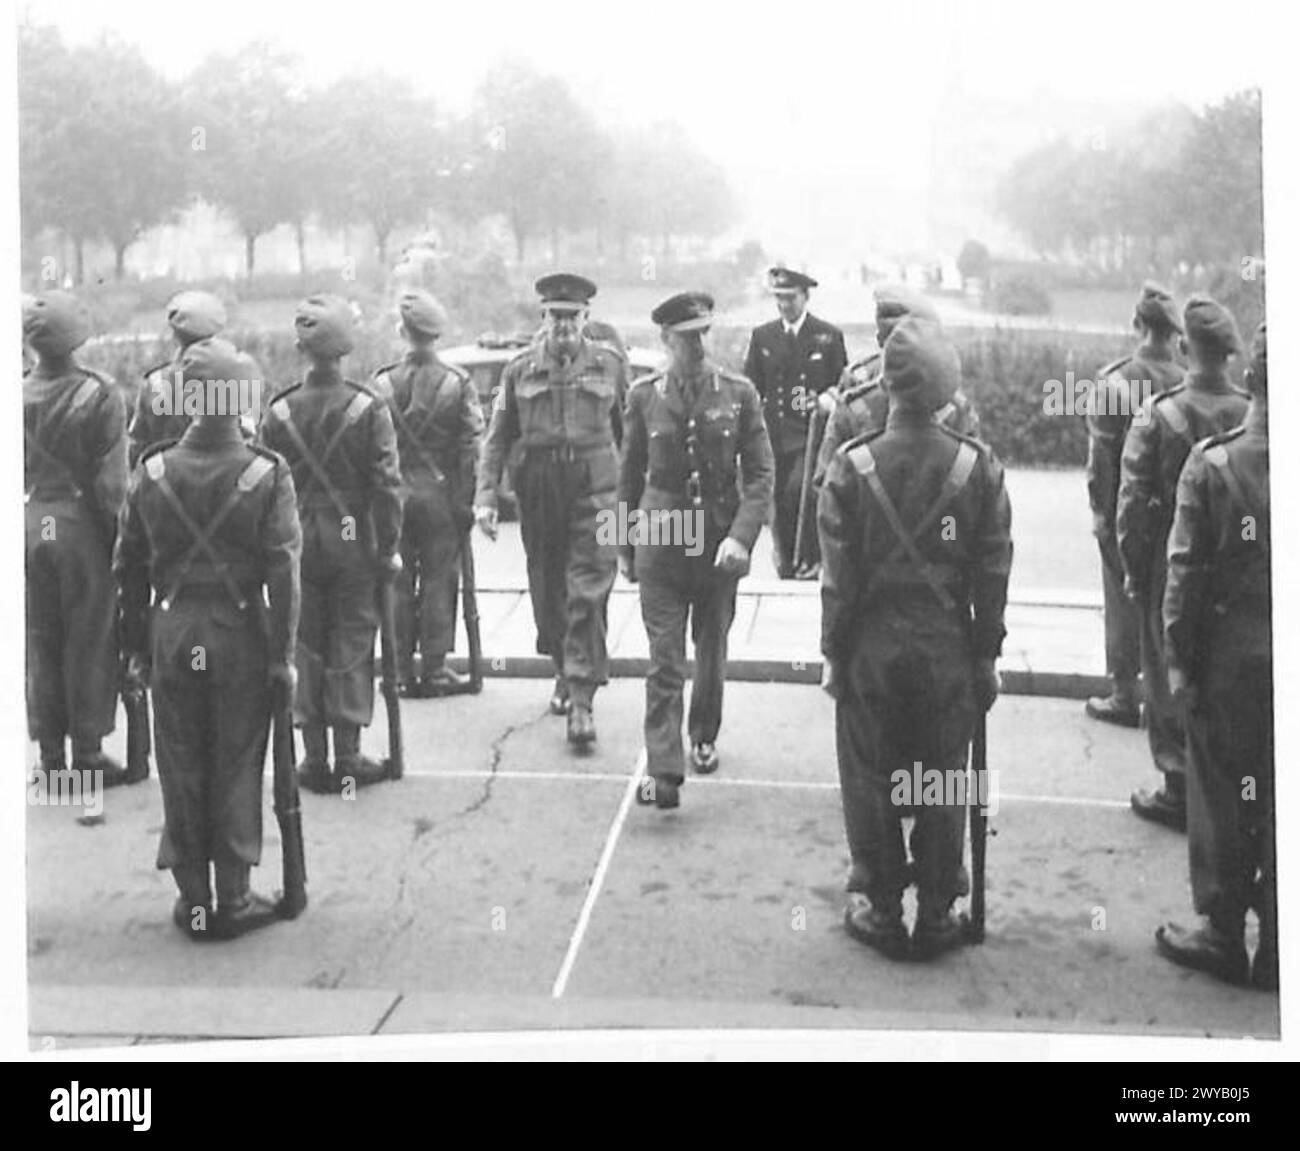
pixel 210 525
pixel 1164 431
pixel 338 438
pixel 916 550
pixel 74 428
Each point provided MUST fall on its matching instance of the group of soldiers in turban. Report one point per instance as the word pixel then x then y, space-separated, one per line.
pixel 251 551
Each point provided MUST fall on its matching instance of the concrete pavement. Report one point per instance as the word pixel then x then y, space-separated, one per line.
pixel 508 884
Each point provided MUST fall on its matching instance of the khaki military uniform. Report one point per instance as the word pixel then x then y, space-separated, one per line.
pixel 916 552
pixel 337 437
pixel 439 426
pixel 692 448
pixel 75 473
pixel 1217 619
pixel 210 524
pixel 1155 449
pixel 862 406
pixel 567 422
pixel 1109 420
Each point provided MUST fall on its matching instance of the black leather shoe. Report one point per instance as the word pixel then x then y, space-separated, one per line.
pixel 582 727
pixel 884 931
pixel 704 758
pixel 251 913
pixel 932 937
pixel 193 919
pixel 113 774
pixel 361 770
pixel 1160 807
pixel 1205 949
pixel 559 704
pixel 1113 709
pixel 660 792
pixel 443 681
pixel 314 775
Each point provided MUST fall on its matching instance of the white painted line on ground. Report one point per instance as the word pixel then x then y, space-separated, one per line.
pixel 598 878
pixel 778 784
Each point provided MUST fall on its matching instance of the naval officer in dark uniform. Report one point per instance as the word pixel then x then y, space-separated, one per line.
pixel 792 361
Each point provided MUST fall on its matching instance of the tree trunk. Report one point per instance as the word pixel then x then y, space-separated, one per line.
pixel 250 252
pixel 381 247
pixel 119 261
pixel 79 247
pixel 300 234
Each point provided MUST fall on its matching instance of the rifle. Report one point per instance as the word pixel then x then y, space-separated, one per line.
pixel 388 684
pixel 978 830
pixel 469 597
pixel 135 701
pixel 288 814
pixel 811 440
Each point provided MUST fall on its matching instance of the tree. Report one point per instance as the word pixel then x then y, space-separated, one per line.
pixel 538 156
pixel 247 142
pixel 385 152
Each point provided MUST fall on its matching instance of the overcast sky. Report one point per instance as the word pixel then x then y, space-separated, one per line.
pixel 818 110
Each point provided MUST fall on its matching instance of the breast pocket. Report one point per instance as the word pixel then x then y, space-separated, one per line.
pixel 717 431
pixel 665 452
pixel 594 400
pixel 536 408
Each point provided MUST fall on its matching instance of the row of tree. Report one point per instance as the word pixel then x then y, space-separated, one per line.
pixel 109 149
pixel 1178 188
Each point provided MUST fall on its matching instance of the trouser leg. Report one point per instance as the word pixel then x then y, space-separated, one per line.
pixel 663 611
pixel 353 621
pixel 1123 625
pixel 589 577
pixel 1166 730
pixel 439 583
pixel 713 608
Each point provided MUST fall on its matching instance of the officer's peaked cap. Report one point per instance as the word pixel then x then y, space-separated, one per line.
pixel 685 312
pixel 781 279
pixel 564 292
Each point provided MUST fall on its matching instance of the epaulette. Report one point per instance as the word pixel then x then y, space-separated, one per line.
pixel 865 437
pixel 734 377
pixel 359 403
pixel 651 379
pixel 1213 450
pixel 156 368
pixel 607 346
pixel 387 368
pixel 1115 367
pixel 1241 392
pixel 1159 396
pixel 359 387
pixel 150 460
pixel 964 438
pixel 456 370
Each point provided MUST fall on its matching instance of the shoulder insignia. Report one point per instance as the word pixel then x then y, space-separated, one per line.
pixel 859 452
pixel 1215 454
pixel 258 469
pixel 280 409
pixel 149 373
pixel 1115 366
pixel 1159 397
pixel 458 372
pixel 154 466
pixel 357 406
pixel 85 393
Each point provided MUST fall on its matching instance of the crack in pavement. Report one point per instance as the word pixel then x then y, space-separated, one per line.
pixel 496 753
pixel 417 858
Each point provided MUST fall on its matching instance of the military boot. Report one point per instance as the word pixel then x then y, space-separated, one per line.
pixel 349 763
pixel 704 758
pixel 936 933
pixel 659 791
pixel 52 760
pixel 239 910
pixel 314 769
pixel 1167 805
pixel 87 756
pixel 440 680
pixel 880 928
pixel 1118 708
pixel 1210 948
pixel 192 911
pixel 582 727
pixel 559 704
